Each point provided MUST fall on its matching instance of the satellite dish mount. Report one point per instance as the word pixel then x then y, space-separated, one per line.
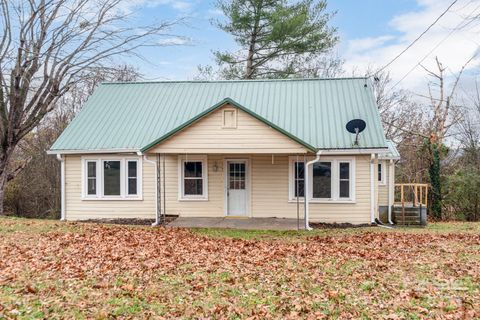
pixel 356 126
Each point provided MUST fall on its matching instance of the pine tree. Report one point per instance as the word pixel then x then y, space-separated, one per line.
pixel 277 38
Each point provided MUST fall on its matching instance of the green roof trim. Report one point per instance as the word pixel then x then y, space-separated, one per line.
pixel 313 112
pixel 217 106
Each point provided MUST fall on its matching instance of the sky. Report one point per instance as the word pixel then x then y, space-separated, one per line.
pixel 372 32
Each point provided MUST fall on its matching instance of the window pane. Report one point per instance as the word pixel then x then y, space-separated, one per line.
pixel 344 189
pixel 132 186
pixel 132 169
pixel 379 172
pixel 193 187
pixel 322 180
pixel 111 178
pixel 299 170
pixel 193 169
pixel 299 181
pixel 92 186
pixel 299 188
pixel 92 169
pixel 344 170
pixel 236 176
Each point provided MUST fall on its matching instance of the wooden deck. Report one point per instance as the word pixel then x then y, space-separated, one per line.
pixel 411 203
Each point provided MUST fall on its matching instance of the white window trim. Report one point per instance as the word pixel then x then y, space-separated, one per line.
pixel 123 178
pixel 383 181
pixel 139 177
pixel 335 187
pixel 181 194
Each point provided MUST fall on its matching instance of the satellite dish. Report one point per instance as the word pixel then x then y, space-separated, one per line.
pixel 356 126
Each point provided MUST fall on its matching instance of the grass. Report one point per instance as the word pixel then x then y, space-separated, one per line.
pixel 52 269
pixel 432 228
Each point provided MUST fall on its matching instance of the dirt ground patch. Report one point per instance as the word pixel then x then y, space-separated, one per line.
pixel 80 270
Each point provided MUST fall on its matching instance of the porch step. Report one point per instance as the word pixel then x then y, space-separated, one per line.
pixel 410 215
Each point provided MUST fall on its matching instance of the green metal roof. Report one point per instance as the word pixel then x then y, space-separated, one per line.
pixel 134 116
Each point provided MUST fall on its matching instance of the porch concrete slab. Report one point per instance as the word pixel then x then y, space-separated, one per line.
pixel 237 223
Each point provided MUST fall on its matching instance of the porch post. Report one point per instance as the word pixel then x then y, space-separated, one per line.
pixel 391 189
pixel 372 188
pixel 62 186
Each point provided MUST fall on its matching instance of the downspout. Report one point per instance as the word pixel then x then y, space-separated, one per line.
pixel 307 174
pixel 62 186
pixel 372 189
pixel 154 163
pixel 391 189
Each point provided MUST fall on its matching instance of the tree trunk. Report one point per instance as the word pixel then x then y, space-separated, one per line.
pixel 3 184
pixel 4 174
pixel 434 173
pixel 249 72
pixel 251 51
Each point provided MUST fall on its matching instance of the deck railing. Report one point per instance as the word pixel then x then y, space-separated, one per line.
pixel 415 194
pixel 410 204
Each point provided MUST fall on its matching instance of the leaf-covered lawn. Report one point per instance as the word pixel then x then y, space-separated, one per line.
pixel 73 270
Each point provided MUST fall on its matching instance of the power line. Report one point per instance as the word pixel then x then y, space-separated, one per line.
pixel 458 27
pixel 416 40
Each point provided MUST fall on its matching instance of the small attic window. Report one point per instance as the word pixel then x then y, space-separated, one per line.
pixel 229 118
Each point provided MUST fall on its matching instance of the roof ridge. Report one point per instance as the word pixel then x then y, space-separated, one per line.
pixel 234 81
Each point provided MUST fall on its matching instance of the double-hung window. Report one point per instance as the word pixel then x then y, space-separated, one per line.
pixel 381 173
pixel 91 183
pixel 344 180
pixel 299 179
pixel 329 180
pixel 193 178
pixel 112 178
pixel 132 177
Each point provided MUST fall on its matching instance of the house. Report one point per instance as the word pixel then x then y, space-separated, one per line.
pixel 227 148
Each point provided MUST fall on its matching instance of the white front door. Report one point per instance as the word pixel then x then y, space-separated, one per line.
pixel 237 185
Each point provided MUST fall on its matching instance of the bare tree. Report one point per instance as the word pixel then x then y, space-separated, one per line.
pixel 45 48
pixel 400 114
pixel 35 191
pixel 445 114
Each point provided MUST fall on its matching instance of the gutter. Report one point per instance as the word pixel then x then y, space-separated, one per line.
pixel 92 151
pixel 355 151
pixel 307 174
pixel 62 186
pixel 154 163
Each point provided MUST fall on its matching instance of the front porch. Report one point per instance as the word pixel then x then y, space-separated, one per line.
pixel 229 187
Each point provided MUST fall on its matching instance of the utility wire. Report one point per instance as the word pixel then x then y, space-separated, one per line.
pixel 416 40
pixel 458 27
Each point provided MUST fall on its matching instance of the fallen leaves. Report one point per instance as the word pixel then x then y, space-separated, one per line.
pixel 118 271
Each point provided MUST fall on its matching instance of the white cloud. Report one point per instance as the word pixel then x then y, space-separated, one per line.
pixel 453 45
pixel 181 5
pixel 130 5
pixel 215 12
pixel 174 41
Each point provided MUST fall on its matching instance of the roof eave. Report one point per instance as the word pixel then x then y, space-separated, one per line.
pixel 87 151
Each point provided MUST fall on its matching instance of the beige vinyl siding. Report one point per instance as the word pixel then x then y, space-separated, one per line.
pixel 208 136
pixel 383 188
pixel 269 191
pixel 79 209
pixel 212 207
